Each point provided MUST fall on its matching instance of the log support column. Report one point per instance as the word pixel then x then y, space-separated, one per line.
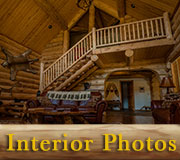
pixel 66 43
pixel 91 17
pixel 167 25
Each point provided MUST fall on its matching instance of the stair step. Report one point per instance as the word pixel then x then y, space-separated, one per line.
pixel 62 78
pixel 83 60
pixel 76 67
pixel 68 74
pixel 72 70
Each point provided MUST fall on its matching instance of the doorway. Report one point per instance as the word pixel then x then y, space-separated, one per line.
pixel 127 95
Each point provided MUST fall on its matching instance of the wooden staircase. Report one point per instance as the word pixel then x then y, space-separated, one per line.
pixel 78 60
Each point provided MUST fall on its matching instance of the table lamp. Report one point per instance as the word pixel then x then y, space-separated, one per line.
pixel 167 82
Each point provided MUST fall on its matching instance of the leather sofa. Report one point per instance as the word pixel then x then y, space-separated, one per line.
pixel 94 103
pixel 163 115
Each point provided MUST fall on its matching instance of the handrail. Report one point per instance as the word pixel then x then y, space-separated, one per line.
pixel 69 50
pixel 154 28
pixel 67 60
pixel 144 20
pixel 134 31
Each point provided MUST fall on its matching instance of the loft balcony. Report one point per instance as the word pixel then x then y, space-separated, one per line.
pixel 152 32
pixel 142 34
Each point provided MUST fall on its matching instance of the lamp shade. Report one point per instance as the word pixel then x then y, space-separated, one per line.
pixel 167 83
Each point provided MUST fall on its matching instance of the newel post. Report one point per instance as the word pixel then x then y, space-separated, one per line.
pixel 94 38
pixel 167 25
pixel 41 77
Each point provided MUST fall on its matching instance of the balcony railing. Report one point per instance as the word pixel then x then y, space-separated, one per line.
pixel 149 29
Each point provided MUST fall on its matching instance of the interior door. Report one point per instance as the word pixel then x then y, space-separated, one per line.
pixel 131 95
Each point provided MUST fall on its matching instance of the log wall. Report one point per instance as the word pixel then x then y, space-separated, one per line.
pixel 53 50
pixel 29 83
pixel 176 74
pixel 176 51
pixel 98 79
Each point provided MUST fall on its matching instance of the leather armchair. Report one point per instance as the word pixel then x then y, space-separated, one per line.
pixel 162 115
pixel 97 118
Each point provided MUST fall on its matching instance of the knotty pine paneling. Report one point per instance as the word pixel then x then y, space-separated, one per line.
pixel 26 23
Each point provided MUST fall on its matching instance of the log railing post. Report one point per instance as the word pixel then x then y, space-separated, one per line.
pixel 167 25
pixel 94 37
pixel 41 77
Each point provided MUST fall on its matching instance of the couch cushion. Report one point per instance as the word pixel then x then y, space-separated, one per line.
pixel 68 103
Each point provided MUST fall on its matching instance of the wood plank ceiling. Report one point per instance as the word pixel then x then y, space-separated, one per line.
pixel 27 23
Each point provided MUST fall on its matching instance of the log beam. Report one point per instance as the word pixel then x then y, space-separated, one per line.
pixel 76 18
pixel 91 17
pixel 97 61
pixel 121 8
pixel 129 57
pixel 137 45
pixel 106 8
pixel 49 9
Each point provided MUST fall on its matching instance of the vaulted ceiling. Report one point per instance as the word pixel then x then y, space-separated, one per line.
pixel 33 23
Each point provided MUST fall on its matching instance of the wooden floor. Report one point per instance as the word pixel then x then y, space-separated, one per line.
pixel 126 117
pixel 112 117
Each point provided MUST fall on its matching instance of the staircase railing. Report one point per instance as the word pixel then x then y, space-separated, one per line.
pixel 149 29
pixel 66 61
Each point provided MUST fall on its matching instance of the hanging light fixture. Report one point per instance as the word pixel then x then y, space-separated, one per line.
pixel 83 4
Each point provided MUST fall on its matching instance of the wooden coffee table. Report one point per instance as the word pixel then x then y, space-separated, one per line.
pixel 37 113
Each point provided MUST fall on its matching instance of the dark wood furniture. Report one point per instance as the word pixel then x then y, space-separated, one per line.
pixel 38 116
pixel 85 111
pixel 162 115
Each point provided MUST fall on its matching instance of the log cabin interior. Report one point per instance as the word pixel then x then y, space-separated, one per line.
pixel 90 61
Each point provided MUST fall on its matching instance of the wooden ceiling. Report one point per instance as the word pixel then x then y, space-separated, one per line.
pixel 145 55
pixel 33 23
